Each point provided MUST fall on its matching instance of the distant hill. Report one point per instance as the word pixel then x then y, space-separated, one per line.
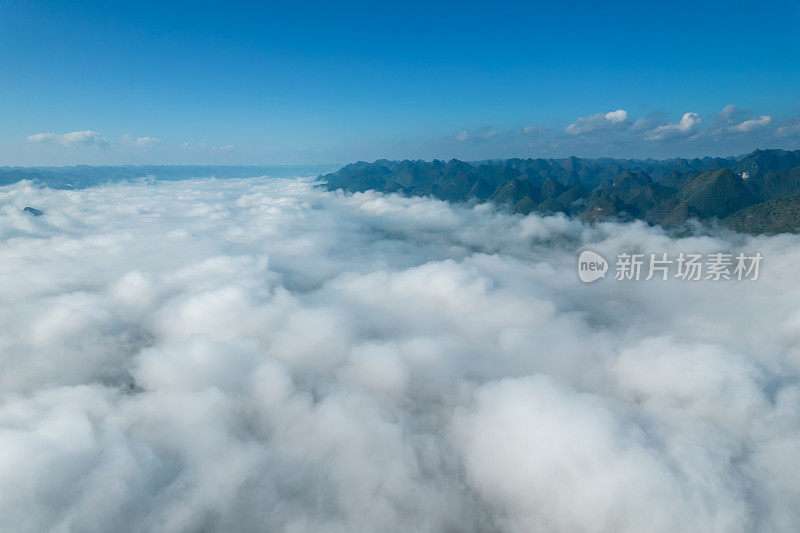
pixel 81 176
pixel 742 192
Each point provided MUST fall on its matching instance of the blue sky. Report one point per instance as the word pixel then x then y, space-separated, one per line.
pixel 212 82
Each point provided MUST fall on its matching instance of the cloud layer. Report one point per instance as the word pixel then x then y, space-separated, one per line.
pixel 263 355
pixel 608 133
pixel 621 133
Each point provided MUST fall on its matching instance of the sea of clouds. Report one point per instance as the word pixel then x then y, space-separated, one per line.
pixel 265 355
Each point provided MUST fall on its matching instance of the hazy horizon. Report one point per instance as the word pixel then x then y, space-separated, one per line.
pixel 337 165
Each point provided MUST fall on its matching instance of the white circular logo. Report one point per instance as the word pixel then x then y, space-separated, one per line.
pixel 591 266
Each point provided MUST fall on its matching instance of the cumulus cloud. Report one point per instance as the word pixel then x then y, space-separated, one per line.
pixel 240 355
pixel 600 121
pixel 687 124
pixel 86 138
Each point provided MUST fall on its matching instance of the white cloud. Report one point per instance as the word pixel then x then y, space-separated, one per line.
pixel 129 141
pixel 484 133
pixel 752 124
pixel 147 142
pixel 788 130
pixel 733 120
pixel 84 138
pixel 238 355
pixel 687 124
pixel 615 117
pixel 92 139
pixel 729 111
pixel 642 124
pixel 618 134
pixel 203 147
pixel 600 121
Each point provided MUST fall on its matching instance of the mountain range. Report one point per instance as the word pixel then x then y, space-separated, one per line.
pixel 755 193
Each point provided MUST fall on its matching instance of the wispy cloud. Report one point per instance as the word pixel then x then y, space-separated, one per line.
pixel 84 138
pixel 139 142
pixel 729 111
pixel 752 124
pixel 204 147
pixel 483 133
pixel 147 141
pixel 790 129
pixel 92 139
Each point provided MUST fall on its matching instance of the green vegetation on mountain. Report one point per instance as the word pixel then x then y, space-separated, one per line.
pixel 774 184
pixel 716 194
pixel 779 215
pixel 757 193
